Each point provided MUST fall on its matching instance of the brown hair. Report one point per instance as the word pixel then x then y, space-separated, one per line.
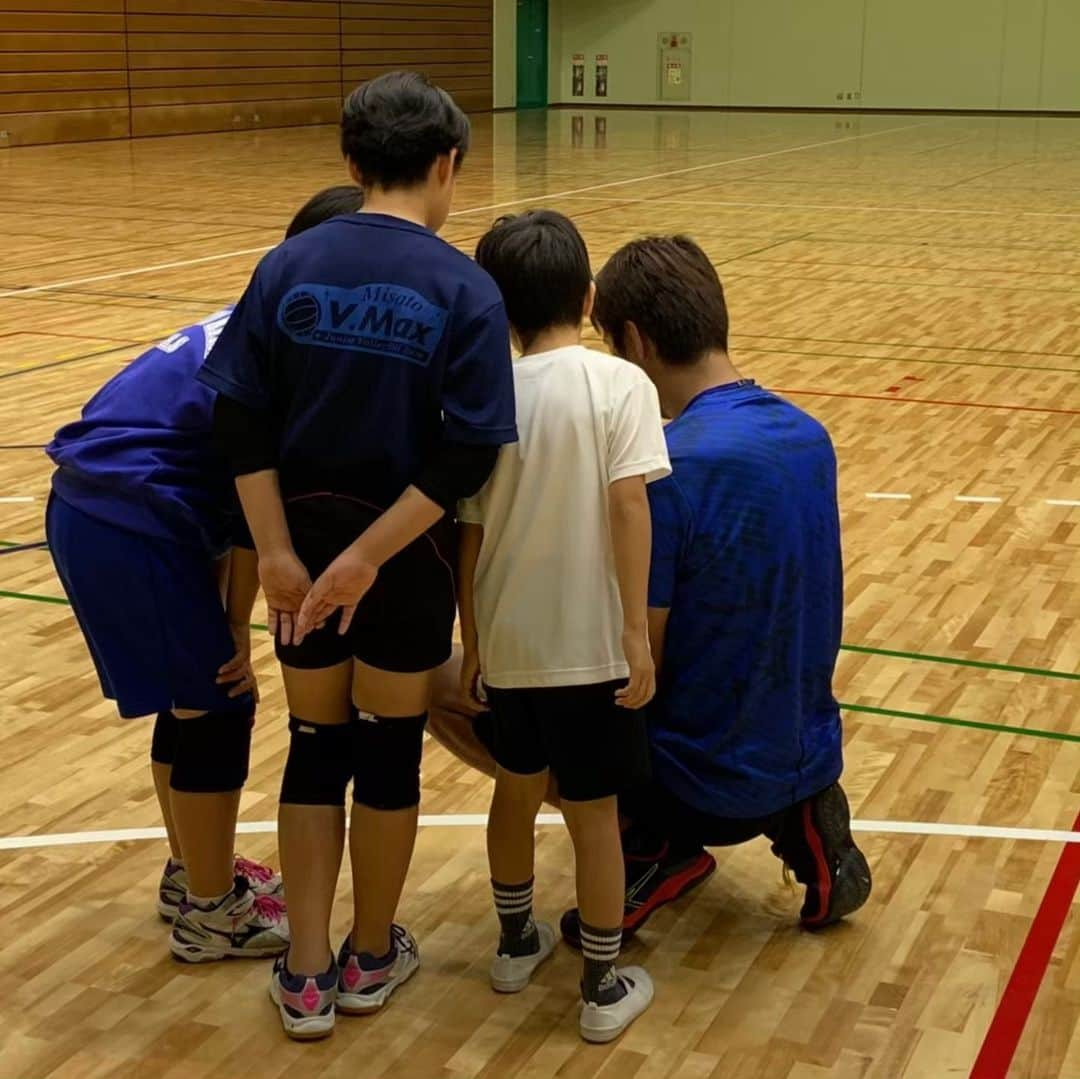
pixel 669 289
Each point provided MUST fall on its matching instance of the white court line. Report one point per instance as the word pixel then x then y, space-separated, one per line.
pixel 888 494
pixel 1063 501
pixel 977 498
pixel 18 498
pixel 479 820
pixel 129 273
pixel 843 207
pixel 480 209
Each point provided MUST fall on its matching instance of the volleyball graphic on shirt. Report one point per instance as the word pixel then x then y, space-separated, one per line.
pixel 300 313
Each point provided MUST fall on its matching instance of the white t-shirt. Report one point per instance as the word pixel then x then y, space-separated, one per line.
pixel 547 600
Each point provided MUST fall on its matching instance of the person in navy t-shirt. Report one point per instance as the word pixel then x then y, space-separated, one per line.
pixel 364 387
pixel 140 525
pixel 745 604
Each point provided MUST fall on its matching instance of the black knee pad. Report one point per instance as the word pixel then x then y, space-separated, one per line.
pixel 163 742
pixel 212 753
pixel 386 760
pixel 320 763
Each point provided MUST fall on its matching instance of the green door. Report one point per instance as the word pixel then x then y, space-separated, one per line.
pixel 532 54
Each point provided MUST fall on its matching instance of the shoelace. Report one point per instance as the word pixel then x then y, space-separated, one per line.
pixel 269 907
pixel 253 870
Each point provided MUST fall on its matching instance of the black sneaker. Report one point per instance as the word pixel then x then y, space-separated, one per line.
pixel 651 882
pixel 818 846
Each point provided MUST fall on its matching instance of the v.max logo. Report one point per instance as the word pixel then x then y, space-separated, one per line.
pixel 385 319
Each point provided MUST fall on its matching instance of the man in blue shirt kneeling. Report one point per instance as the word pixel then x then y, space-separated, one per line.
pixel 745 609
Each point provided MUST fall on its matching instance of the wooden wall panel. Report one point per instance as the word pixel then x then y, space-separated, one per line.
pixel 194 51
pixel 63 71
pixel 82 69
pixel 451 40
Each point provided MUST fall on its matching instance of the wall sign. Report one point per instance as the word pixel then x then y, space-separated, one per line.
pixel 673 71
pixel 577 71
pixel 601 74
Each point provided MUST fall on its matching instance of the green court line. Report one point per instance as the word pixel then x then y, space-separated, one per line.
pixel 8 543
pixel 37 599
pixel 925 657
pixel 999 728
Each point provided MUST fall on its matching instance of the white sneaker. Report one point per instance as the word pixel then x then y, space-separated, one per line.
pixel 605 1022
pixel 242 924
pixel 306 1004
pixel 361 991
pixel 511 974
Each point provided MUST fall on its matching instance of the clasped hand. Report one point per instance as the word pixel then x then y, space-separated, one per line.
pixel 296 605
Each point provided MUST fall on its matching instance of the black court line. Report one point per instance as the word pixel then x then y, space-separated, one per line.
pixel 75 359
pixel 26 446
pixel 16 548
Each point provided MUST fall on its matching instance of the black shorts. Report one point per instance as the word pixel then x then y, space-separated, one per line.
pixel 405 622
pixel 593 748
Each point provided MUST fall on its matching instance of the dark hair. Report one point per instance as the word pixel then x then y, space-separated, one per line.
pixel 669 289
pixel 394 127
pixel 343 199
pixel 541 265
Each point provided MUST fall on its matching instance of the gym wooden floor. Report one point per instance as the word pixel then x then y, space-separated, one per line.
pixel 911 280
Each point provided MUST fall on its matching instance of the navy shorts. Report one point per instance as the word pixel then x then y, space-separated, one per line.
pixel 405 623
pixel 150 611
pixel 594 748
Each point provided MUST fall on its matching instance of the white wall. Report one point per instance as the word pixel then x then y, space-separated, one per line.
pixel 894 54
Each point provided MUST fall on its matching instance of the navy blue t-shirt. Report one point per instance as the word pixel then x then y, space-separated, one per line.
pixel 142 455
pixel 746 554
pixel 365 341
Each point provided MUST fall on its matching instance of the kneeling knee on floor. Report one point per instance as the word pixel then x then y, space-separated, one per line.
pixel 212 753
pixel 386 760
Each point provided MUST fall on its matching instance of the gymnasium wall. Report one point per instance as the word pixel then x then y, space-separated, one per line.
pixel 99 69
pixel 890 54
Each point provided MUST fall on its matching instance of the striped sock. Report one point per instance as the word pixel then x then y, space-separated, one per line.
pixel 600 984
pixel 513 904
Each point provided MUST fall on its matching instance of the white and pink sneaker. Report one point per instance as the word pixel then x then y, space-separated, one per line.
pixel 361 989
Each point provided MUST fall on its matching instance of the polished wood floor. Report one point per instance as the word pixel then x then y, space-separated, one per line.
pixel 912 281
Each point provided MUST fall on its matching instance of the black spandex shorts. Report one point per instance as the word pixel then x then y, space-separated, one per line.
pixel 594 748
pixel 405 622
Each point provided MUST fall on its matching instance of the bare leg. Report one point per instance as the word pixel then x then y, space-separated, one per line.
pixel 381 841
pixel 601 877
pixel 512 823
pixel 162 773
pixel 311 839
pixel 205 826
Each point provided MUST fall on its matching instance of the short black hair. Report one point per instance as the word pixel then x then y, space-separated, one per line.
pixel 541 265
pixel 669 289
pixel 343 199
pixel 393 129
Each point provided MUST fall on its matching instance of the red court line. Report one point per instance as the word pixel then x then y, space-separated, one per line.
pixel 926 401
pixel 1007 1026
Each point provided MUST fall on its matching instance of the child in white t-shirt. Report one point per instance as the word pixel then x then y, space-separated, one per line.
pixel 553 595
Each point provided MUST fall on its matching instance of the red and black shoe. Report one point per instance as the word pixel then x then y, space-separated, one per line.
pixel 816 843
pixel 651 882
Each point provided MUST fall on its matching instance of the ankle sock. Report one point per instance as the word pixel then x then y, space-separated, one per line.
pixel 368 961
pixel 328 975
pixel 208 903
pixel 600 984
pixel 513 904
